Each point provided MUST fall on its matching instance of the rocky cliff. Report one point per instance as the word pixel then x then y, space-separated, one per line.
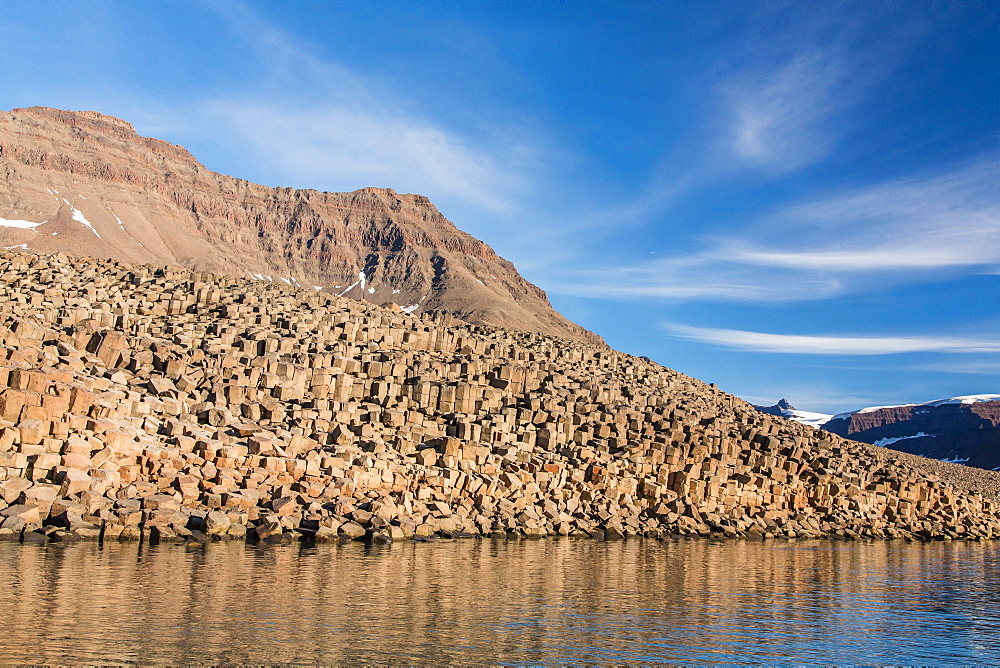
pixel 88 185
pixel 963 432
pixel 166 404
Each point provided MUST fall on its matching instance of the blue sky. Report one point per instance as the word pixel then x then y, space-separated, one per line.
pixel 787 199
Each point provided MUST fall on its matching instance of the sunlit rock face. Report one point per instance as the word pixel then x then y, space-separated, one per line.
pixel 88 185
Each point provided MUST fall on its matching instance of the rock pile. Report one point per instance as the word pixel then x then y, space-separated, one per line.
pixel 168 404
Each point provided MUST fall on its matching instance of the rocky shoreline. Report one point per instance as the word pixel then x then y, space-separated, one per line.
pixel 145 403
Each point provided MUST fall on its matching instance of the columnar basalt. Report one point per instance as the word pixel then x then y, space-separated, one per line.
pixel 138 401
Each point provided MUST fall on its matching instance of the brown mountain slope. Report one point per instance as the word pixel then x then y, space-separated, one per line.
pixel 87 184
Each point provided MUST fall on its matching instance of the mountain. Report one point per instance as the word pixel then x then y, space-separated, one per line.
pixel 87 184
pixel 785 409
pixel 959 429
pixel 185 355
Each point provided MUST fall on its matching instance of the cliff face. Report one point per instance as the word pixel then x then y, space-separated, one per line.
pixel 88 185
pixel 969 433
pixel 138 401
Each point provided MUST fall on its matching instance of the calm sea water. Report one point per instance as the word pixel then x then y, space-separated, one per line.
pixel 494 601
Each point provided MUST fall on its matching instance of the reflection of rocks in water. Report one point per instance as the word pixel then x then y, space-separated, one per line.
pixel 561 601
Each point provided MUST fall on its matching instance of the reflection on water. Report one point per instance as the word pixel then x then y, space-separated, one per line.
pixel 496 601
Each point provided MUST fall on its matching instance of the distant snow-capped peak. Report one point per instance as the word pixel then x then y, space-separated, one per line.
pixel 967 399
pixel 785 409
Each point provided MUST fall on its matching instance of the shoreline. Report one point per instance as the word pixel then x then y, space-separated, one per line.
pixel 199 538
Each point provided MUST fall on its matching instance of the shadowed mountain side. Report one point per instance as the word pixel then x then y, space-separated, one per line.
pixel 963 432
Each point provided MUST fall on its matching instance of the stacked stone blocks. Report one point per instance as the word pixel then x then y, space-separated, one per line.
pixel 173 405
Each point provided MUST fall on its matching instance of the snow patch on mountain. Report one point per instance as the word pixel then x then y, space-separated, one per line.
pixel 805 417
pixel 80 218
pixel 19 224
pixel 785 409
pixel 884 442
pixel 967 399
pixel 361 281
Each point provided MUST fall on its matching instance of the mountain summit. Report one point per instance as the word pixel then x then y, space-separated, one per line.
pixel 785 409
pixel 88 185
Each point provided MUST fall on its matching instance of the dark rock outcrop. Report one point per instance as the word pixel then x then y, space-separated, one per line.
pixel 965 432
pixel 781 408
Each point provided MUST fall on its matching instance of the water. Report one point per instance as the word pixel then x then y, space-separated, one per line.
pixel 547 601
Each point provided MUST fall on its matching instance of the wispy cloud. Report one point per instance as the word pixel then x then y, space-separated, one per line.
pixel 976 367
pixel 942 221
pixel 340 143
pixel 694 278
pixel 780 115
pixel 909 230
pixel 319 123
pixel 916 256
pixel 830 345
pixel 788 102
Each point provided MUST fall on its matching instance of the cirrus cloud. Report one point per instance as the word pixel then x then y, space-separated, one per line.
pixel 780 116
pixel 830 345
pixel 909 230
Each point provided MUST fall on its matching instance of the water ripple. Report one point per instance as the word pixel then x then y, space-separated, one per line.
pixel 519 602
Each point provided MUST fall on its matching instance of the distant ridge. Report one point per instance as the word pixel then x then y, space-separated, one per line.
pixel 86 184
pixel 962 429
pixel 959 429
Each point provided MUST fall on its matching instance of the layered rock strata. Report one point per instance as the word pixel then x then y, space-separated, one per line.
pixel 963 432
pixel 87 184
pixel 138 401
